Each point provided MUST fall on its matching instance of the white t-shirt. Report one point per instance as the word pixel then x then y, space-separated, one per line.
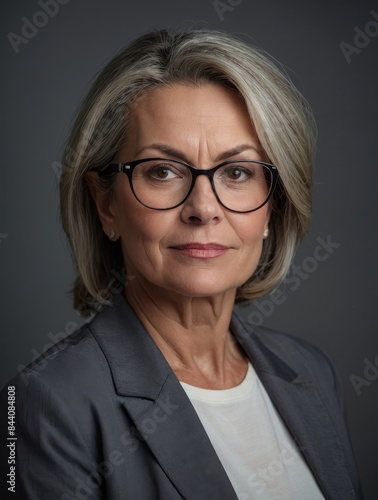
pixel 252 442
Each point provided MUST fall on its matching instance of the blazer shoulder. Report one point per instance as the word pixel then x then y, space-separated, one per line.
pixel 291 344
pixel 74 357
pixel 276 339
pixel 301 355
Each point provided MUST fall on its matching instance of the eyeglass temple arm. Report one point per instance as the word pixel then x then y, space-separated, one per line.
pixel 111 168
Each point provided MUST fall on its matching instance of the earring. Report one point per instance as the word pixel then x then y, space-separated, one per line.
pixel 266 232
pixel 112 234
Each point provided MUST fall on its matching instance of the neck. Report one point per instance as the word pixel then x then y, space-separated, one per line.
pixel 192 333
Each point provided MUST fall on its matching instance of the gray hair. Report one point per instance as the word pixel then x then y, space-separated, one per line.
pixel 281 117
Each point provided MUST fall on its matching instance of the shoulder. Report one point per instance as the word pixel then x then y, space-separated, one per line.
pixel 281 343
pixel 73 362
pixel 61 392
pixel 56 402
pixel 304 358
pixel 292 348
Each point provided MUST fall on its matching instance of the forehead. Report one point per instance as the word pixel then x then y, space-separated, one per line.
pixel 191 115
pixel 197 102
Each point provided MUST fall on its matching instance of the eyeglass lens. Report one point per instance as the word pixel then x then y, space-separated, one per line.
pixel 241 186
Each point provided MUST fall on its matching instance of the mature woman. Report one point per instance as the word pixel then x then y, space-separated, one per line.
pixel 186 187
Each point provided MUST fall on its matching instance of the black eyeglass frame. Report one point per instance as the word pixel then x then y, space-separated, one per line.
pixel 128 167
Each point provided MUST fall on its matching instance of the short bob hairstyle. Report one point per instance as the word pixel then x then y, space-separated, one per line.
pixel 280 116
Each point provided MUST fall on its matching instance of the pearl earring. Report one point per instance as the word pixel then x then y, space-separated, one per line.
pixel 266 232
pixel 112 234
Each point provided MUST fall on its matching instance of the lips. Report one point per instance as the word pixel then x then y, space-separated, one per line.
pixel 201 250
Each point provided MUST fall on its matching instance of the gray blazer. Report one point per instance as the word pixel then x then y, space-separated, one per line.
pixel 102 415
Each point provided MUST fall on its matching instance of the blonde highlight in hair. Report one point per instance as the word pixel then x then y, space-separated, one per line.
pixel 279 114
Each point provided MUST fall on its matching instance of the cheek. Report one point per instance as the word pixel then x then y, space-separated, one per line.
pixel 250 229
pixel 252 250
pixel 141 229
pixel 140 243
pixel 130 216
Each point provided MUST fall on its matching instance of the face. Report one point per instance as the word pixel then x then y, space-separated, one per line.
pixel 198 248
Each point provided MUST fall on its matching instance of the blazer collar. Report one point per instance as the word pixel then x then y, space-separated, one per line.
pixel 137 364
pixel 262 358
pixel 129 354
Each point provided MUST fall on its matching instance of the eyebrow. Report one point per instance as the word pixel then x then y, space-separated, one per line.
pixel 178 154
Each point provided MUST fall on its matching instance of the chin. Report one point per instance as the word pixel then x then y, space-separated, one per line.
pixel 197 287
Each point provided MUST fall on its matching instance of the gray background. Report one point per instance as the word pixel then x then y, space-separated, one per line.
pixel 334 306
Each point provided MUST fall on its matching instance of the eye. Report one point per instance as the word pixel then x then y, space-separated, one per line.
pixel 163 172
pixel 237 173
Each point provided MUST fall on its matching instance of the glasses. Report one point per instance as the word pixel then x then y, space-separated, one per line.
pixel 162 184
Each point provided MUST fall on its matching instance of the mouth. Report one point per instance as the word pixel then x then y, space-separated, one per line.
pixel 201 250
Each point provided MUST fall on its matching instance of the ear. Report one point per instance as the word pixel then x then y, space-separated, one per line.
pixel 104 205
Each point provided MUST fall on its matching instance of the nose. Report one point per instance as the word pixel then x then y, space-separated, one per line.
pixel 202 206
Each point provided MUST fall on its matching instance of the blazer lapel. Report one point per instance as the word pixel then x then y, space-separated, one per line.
pixel 159 407
pixel 302 408
pixel 180 444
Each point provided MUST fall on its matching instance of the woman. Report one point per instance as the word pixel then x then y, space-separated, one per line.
pixel 186 187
